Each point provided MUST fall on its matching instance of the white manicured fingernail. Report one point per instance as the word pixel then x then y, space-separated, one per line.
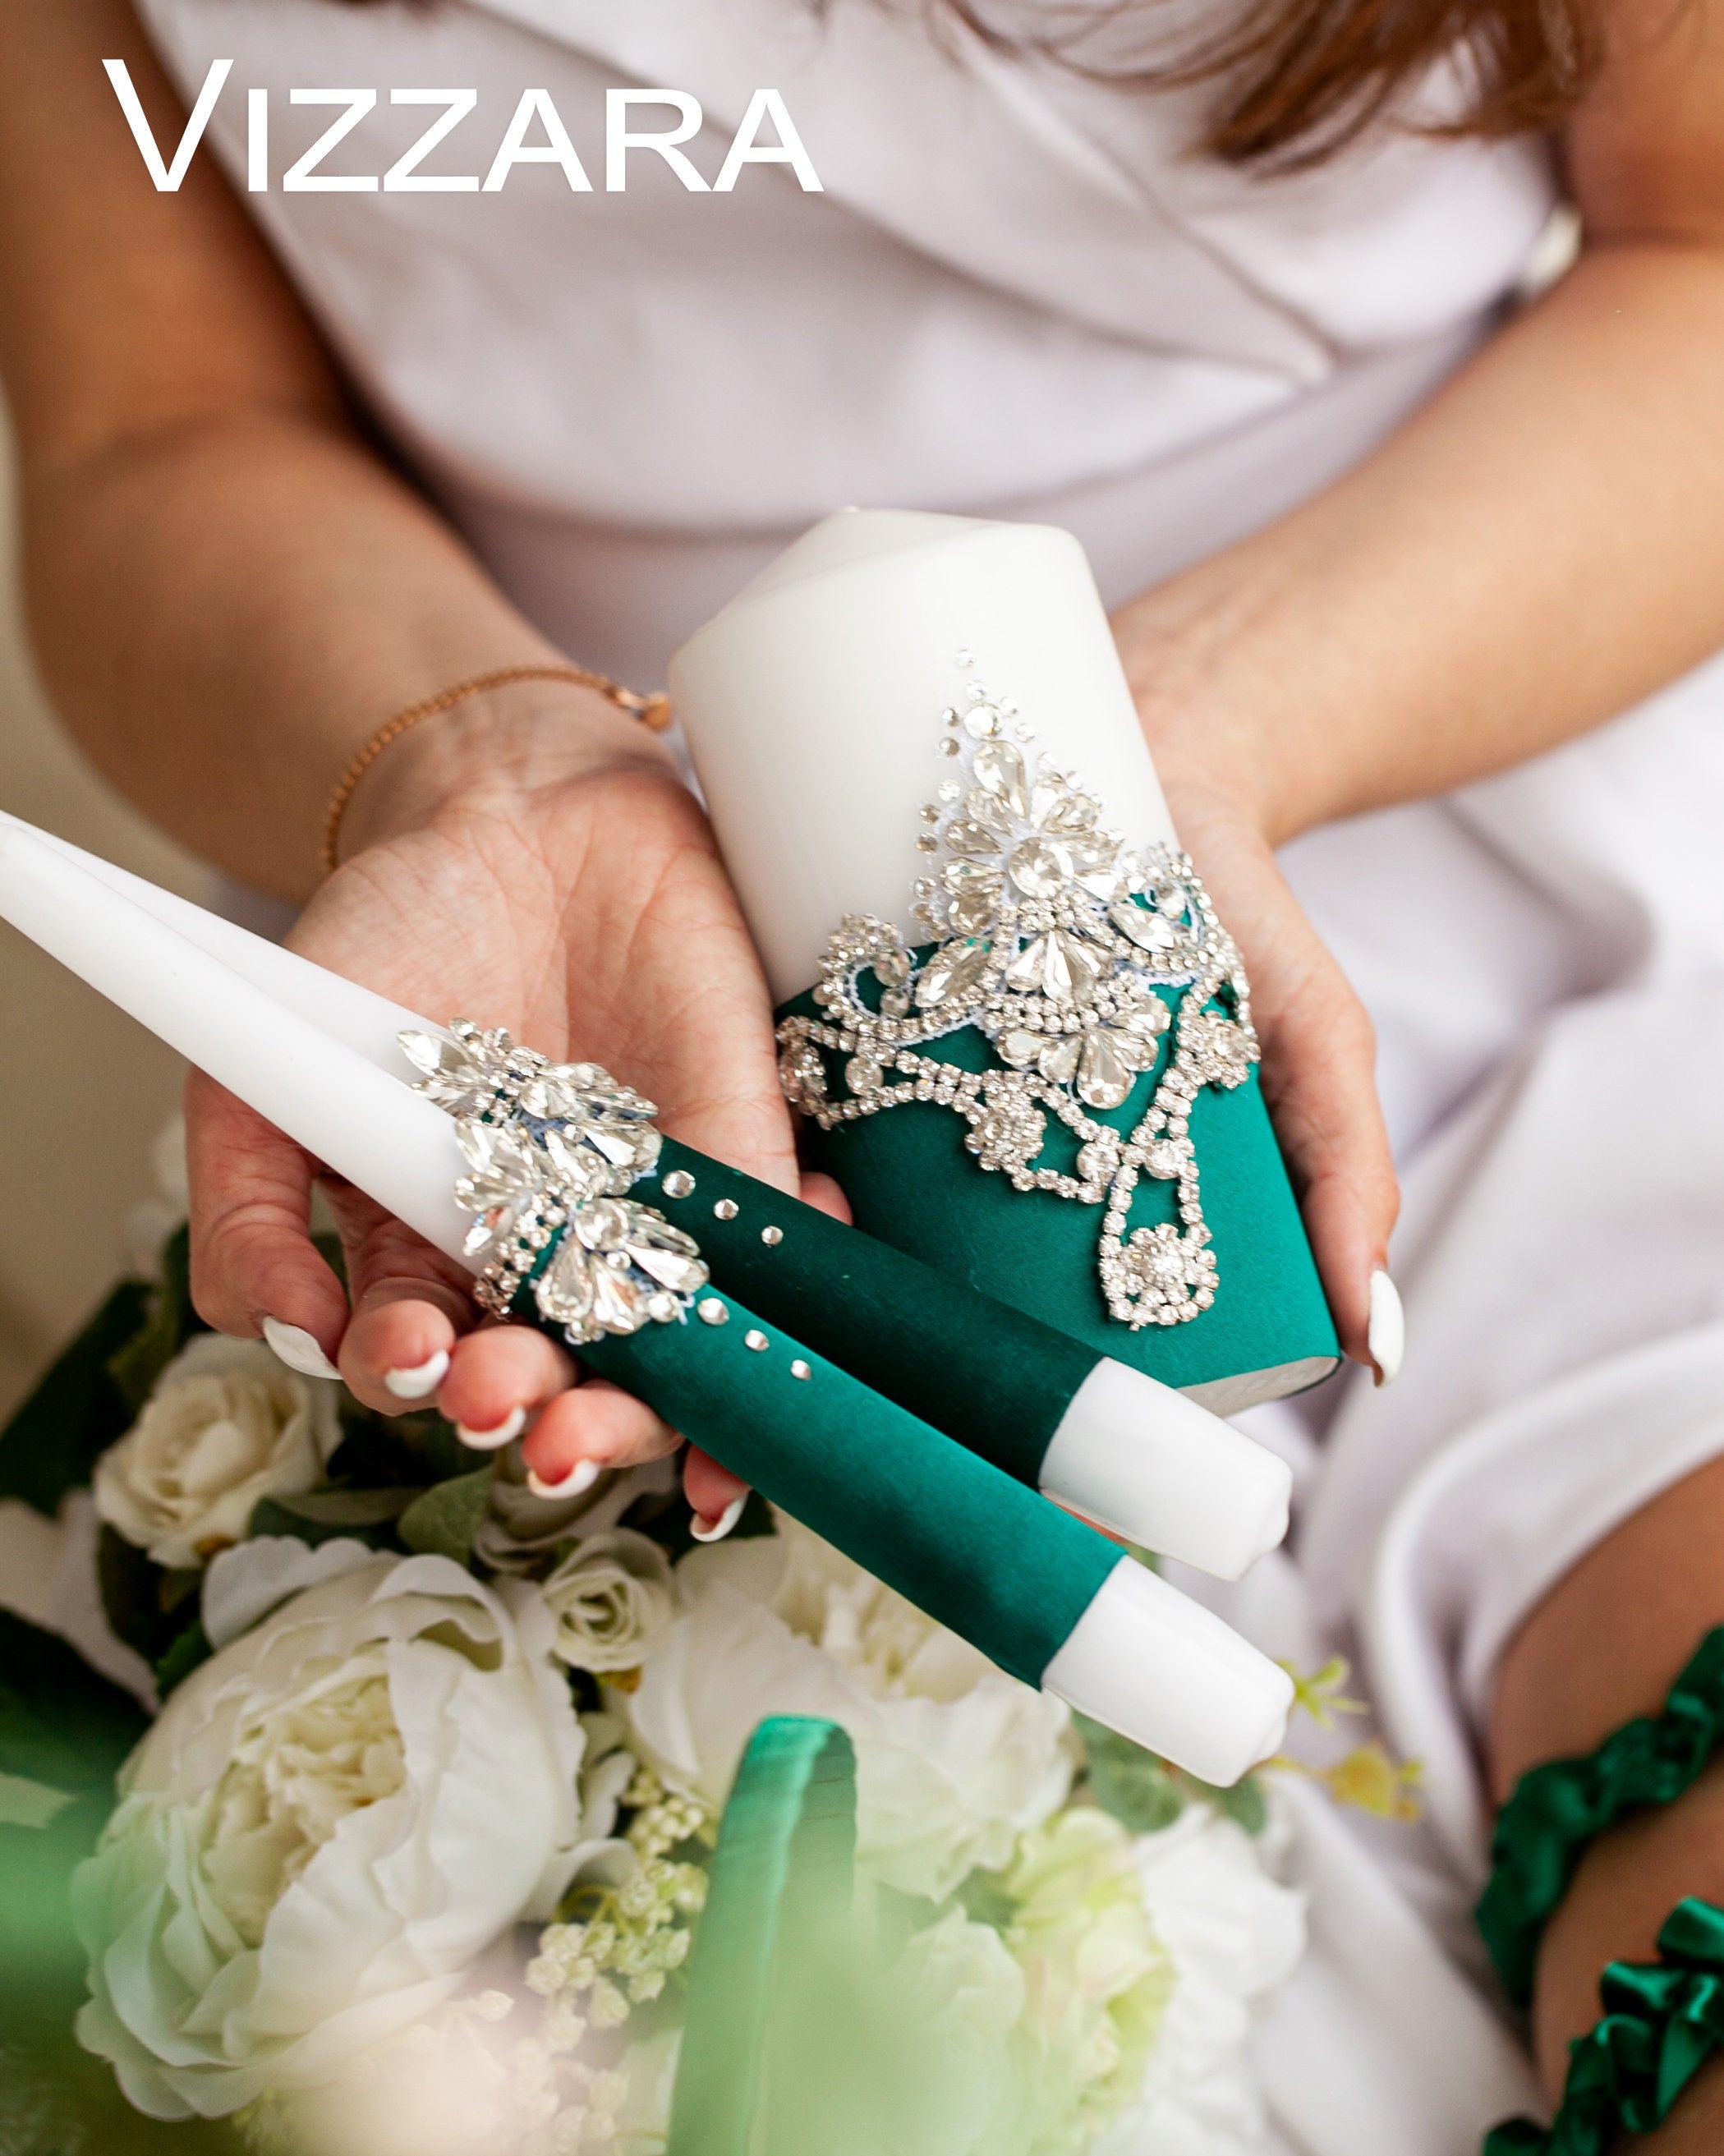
pixel 419 1383
pixel 1387 1336
pixel 493 1440
pixel 580 1478
pixel 297 1347
pixel 719 1527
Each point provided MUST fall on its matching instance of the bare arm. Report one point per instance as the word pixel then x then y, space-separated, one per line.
pixel 229 592
pixel 1535 551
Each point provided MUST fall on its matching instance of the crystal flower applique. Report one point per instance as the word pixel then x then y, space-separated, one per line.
pixel 552 1150
pixel 1083 962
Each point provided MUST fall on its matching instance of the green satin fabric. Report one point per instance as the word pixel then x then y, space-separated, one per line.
pixel 774 1925
pixel 1662 2022
pixel 994 1377
pixel 1558 1809
pixel 975 1549
pixel 912 1182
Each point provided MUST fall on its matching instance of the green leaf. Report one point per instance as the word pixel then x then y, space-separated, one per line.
pixel 416 1449
pixel 1245 1803
pixel 53 1442
pixel 64 1728
pixel 187 1653
pixel 326 1516
pixel 171 1323
pixel 445 1521
pixel 347 1508
pixel 140 1600
pixel 1140 1791
pixel 57 2100
pixel 27 1803
pixel 61 1722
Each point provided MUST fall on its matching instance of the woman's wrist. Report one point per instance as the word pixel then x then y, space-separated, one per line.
pixel 496 747
pixel 1225 744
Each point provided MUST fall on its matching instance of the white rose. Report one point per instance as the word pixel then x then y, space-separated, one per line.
pixel 331 1819
pixel 226 1425
pixel 954 1759
pixel 611 1597
pixel 521 1530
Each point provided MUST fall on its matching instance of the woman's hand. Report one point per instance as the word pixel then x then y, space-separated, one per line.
pixel 547 871
pixel 1319 1049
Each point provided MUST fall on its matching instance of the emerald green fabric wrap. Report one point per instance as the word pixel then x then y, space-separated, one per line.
pixel 912 1182
pixel 775 1917
pixel 1559 1808
pixel 997 1380
pixel 1662 2022
pixel 977 1551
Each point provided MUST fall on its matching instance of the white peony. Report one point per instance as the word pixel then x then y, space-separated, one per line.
pixel 331 1819
pixel 954 1759
pixel 226 1425
pixel 1232 1934
pixel 612 1599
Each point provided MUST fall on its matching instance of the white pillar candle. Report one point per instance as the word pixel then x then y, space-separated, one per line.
pixel 812 705
pixel 347 1113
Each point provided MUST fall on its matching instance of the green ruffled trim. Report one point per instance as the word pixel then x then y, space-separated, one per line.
pixel 1662 2021
pixel 1559 1808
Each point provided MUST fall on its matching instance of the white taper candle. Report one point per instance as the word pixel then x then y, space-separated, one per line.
pixel 355 1118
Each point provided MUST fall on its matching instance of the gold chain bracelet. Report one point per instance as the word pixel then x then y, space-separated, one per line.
pixel 653 711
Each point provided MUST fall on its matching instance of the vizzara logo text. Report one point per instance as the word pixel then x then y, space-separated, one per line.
pixel 536 135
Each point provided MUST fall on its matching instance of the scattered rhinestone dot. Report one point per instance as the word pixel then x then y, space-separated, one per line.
pixel 679 1183
pixel 726 1209
pixel 798 1368
pixel 711 1312
pixel 772 1237
pixel 758 1340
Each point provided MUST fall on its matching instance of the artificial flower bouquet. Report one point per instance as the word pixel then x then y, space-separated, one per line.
pixel 396 1836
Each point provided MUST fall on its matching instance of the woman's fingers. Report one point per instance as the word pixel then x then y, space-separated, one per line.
pixel 498 1379
pixel 1318 1073
pixel 253 1260
pixel 596 1426
pixel 410 1304
pixel 1319 1082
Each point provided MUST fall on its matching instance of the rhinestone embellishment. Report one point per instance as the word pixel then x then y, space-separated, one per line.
pixel 552 1150
pixel 1085 964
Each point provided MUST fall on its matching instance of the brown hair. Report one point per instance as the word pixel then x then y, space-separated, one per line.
pixel 1296 80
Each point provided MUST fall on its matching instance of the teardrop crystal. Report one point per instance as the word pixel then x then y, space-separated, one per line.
pixel 999 771
pixel 564 1291
pixel 1025 972
pixel 1081 963
pixel 1149 931
pixel 664 1253
pixel 1103 1080
pixel 1019 1047
pixel 619 1305
pixel 1059 1059
pixel 1066 812
pixel 987 809
pixel 953 971
pixel 969 838
pixel 970 915
pixel 960 876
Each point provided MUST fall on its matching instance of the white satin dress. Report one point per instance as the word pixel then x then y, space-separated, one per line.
pixel 1016 295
